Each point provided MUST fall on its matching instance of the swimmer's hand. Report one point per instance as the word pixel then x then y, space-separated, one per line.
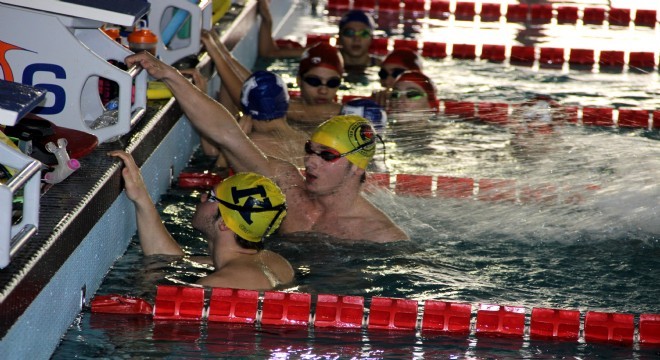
pixel 198 79
pixel 245 122
pixel 381 97
pixel 156 68
pixel 264 10
pixel 136 190
pixel 154 237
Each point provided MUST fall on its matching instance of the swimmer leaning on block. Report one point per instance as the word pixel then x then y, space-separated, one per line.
pixel 328 199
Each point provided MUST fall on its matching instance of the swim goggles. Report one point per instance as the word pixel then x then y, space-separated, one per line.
pixel 251 209
pixel 315 81
pixel 332 155
pixel 383 74
pixel 411 94
pixel 364 33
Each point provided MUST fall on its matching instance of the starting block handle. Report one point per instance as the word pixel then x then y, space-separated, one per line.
pixel 200 14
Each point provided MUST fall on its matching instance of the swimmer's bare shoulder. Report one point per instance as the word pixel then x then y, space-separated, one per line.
pixel 378 226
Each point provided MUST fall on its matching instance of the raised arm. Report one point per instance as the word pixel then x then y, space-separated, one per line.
pixel 154 237
pixel 267 45
pixel 208 116
pixel 232 73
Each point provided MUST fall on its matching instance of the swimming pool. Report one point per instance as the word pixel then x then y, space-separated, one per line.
pixel 599 252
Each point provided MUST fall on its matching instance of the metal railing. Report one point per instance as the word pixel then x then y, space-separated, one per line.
pixel 28 178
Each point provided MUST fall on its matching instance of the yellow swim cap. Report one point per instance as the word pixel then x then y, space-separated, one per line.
pixel 251 205
pixel 346 133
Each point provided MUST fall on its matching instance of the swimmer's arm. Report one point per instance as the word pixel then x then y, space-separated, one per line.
pixel 211 118
pixel 231 72
pixel 154 237
pixel 311 114
pixel 267 46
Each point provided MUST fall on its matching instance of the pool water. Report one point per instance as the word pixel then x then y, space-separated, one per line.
pixel 595 247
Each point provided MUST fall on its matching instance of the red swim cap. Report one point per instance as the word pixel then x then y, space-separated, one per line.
pixel 424 82
pixel 405 58
pixel 321 54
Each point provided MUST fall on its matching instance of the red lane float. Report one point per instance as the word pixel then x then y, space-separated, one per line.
pixel 642 60
pixel 609 327
pixel 649 329
pixel 233 306
pixel 198 180
pixel 414 6
pixel 493 53
pixel 445 316
pixel 392 314
pixel 179 303
pixel 582 57
pixel 500 320
pixel 464 51
pixel 541 13
pixel 464 11
pixel 280 308
pixel 339 311
pixel 182 304
pixel 118 304
pixel 567 14
pixel 490 12
pixel 439 9
pixel 646 18
pixel 517 12
pixel 619 17
pixel 555 324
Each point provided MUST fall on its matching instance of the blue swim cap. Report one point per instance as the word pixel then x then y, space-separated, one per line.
pixel 264 96
pixel 369 110
pixel 359 16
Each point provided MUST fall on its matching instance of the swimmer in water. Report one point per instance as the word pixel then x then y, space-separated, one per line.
pixel 319 77
pixel 413 91
pixel 235 218
pixel 356 29
pixel 395 63
pixel 264 102
pixel 327 199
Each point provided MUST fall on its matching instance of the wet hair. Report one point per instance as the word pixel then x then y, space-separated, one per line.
pixel 245 244
pixel 251 245
pixel 358 16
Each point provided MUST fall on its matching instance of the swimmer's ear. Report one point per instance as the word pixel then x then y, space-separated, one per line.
pixel 221 225
pixel 356 170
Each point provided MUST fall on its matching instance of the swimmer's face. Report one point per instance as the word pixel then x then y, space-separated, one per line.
pixel 205 216
pixel 322 176
pixel 408 96
pixel 388 74
pixel 328 83
pixel 354 39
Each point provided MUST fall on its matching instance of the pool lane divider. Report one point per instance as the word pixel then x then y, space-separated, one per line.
pixel 439 186
pixel 278 308
pixel 494 12
pixel 519 55
pixel 502 113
